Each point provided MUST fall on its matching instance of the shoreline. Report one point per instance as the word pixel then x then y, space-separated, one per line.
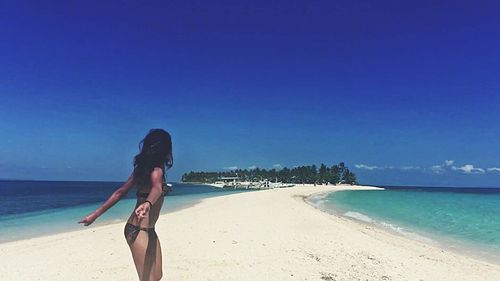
pixel 439 241
pixel 267 235
pixel 52 221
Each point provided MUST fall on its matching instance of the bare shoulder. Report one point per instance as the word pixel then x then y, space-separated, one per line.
pixel 157 175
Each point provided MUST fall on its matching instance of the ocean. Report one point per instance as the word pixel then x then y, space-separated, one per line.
pixel 465 220
pixel 36 208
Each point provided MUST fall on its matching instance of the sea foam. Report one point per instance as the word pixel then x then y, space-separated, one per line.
pixel 358 216
pixel 454 218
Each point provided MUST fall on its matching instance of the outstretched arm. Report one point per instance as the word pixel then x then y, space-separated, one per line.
pixel 115 197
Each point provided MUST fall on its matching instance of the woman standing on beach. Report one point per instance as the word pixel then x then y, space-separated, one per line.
pixel 150 164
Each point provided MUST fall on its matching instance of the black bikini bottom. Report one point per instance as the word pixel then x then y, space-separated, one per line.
pixel 131 231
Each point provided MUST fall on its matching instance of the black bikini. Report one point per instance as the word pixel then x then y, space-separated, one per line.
pixel 131 231
pixel 165 190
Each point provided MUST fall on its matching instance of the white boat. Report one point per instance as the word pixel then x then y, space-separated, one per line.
pixel 265 184
pixel 217 184
pixel 234 183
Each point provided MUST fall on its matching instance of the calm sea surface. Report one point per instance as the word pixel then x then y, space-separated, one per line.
pixel 35 208
pixel 464 219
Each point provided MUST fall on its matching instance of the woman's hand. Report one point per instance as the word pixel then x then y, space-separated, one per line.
pixel 142 210
pixel 89 219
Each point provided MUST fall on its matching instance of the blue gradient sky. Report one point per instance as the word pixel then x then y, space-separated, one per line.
pixel 394 89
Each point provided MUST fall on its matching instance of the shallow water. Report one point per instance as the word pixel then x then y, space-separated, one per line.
pixel 36 208
pixel 464 220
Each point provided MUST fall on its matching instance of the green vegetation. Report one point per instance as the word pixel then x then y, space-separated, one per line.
pixel 303 174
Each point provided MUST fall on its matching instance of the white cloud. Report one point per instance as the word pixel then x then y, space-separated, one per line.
pixel 447 166
pixel 438 169
pixel 409 168
pixel 277 166
pixel 468 169
pixel 366 167
pixel 391 167
pixel 253 167
pixel 231 168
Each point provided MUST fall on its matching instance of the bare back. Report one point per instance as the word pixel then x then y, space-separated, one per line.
pixel 152 216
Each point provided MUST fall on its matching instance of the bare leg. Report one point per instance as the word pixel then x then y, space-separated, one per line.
pixel 158 267
pixel 145 252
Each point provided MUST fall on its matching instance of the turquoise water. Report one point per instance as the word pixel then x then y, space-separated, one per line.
pixel 467 222
pixel 52 221
pixel 36 208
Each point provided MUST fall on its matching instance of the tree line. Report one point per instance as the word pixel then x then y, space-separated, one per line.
pixel 338 173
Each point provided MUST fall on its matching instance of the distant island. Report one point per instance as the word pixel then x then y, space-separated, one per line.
pixel 336 174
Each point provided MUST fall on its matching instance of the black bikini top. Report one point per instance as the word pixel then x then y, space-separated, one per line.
pixel 165 189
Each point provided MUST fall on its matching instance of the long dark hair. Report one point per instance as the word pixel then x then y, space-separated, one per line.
pixel 155 151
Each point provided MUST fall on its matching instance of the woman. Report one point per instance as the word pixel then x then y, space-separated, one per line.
pixel 150 164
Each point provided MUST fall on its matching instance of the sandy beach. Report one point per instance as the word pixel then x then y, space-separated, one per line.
pixel 264 235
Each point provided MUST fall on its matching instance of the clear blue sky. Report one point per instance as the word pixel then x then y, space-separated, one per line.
pixel 392 88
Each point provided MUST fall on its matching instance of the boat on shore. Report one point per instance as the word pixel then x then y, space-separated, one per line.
pixel 235 183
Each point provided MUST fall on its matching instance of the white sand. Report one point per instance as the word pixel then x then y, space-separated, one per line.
pixel 263 235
